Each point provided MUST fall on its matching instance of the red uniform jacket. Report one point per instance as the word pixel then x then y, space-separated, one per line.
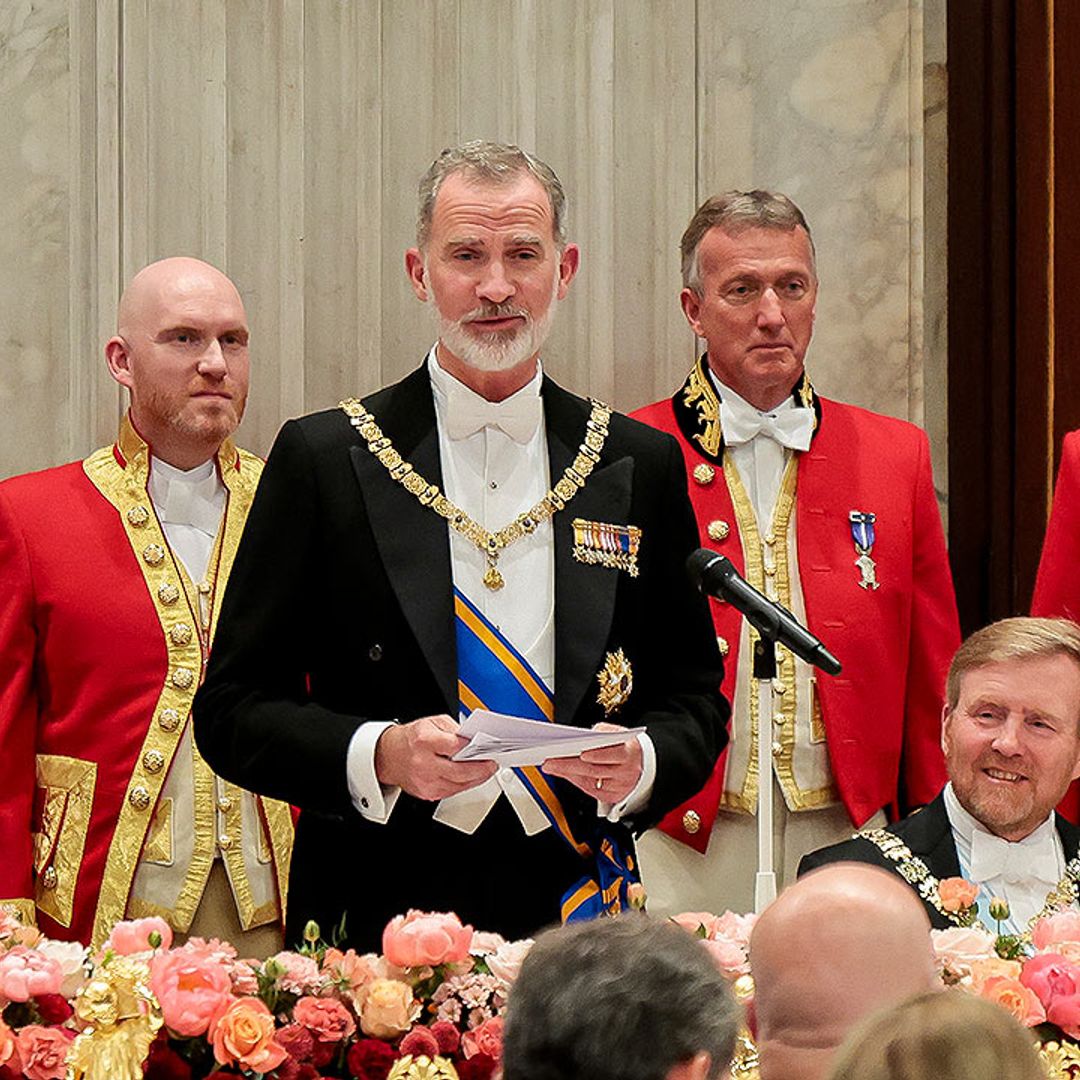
pixel 96 680
pixel 1057 585
pixel 882 714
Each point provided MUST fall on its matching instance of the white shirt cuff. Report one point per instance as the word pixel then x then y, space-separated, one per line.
pixel 639 797
pixel 374 801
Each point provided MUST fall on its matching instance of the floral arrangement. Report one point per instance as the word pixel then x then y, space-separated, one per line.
pixel 1035 976
pixel 435 996
pixel 438 991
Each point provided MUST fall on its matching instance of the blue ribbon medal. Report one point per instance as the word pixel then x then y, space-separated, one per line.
pixel 862 533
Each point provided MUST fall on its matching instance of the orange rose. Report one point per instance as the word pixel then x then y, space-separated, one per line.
pixel 389 1009
pixel 956 894
pixel 993 967
pixel 1011 994
pixel 243 1034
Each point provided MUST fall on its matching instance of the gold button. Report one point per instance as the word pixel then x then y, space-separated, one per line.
pixel 153 761
pixel 778 719
pixel 718 530
pixel 778 687
pixel 770 537
pixel 168 720
pixel 224 841
pixel 723 646
pixel 183 678
pixel 180 634
pixel 777 749
pixel 153 554
pixel 168 593
pixel 139 797
pixel 138 516
pixel 703 474
pixel 49 879
pixel 691 822
pixel 224 804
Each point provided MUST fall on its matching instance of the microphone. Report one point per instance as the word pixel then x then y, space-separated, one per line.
pixel 715 575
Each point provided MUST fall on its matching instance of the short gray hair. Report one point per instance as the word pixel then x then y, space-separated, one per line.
pixel 734 212
pixel 492 163
pixel 617 999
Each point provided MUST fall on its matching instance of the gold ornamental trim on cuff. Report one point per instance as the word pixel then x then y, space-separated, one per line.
pixel 67 785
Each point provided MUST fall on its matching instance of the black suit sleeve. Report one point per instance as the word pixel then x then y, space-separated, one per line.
pixel 854 850
pixel 254 722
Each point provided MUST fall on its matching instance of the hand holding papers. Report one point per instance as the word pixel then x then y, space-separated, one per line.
pixel 511 741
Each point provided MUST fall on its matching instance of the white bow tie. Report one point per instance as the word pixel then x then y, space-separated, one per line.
pixel 518 416
pixel 1031 859
pixel 791 428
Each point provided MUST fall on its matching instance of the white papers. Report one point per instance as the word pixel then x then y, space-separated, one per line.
pixel 512 741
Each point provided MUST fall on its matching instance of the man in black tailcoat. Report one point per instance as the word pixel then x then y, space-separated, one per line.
pixel 1011 736
pixel 474 505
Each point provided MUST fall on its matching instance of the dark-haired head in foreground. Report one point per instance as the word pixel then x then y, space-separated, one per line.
pixel 619 999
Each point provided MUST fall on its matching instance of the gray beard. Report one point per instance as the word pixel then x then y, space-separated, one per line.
pixel 498 353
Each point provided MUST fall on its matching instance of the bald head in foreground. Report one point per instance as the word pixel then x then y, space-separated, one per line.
pixel 834 947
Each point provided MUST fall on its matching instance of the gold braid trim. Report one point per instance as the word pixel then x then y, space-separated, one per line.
pixel 917 874
pixel 428 494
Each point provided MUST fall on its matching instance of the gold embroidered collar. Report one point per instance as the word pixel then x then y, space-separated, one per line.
pixel 697 408
pixel 132 452
pixel 428 494
pixel 917 874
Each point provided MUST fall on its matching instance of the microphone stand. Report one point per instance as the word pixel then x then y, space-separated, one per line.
pixel 764 674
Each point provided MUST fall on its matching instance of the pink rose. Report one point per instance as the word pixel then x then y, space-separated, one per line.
pixel 957 894
pixel 426 938
pixel 959 946
pixel 8 1047
pixel 389 1009
pixel 25 973
pixel 43 1052
pixel 485 941
pixel 300 974
pixel 1056 981
pixel 1011 994
pixel 506 961
pixel 243 1034
pixel 133 936
pixel 729 956
pixel 245 981
pixel 351 973
pixel 326 1018
pixel 191 987
pixel 701 923
pixel 1064 926
pixel 486 1039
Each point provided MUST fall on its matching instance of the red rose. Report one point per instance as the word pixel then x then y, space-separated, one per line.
pixel 323 1053
pixel 164 1063
pixel 53 1008
pixel 292 1070
pixel 298 1041
pixel 419 1041
pixel 478 1067
pixel 447 1036
pixel 370 1059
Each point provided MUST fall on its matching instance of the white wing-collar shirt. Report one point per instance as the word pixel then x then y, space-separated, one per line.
pixel 493 475
pixel 1022 872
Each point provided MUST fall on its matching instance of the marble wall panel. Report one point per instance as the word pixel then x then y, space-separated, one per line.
pixel 283 140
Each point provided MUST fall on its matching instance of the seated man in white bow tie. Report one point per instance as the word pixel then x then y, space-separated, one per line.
pixel 472 536
pixel 830 510
pixel 1012 745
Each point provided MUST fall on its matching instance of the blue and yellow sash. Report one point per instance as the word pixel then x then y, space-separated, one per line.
pixel 493 675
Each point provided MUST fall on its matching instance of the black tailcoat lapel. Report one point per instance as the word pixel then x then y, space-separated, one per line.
pixel 413 540
pixel 584 598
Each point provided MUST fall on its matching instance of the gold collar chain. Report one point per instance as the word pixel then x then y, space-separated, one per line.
pixel 917 874
pixel 490 543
